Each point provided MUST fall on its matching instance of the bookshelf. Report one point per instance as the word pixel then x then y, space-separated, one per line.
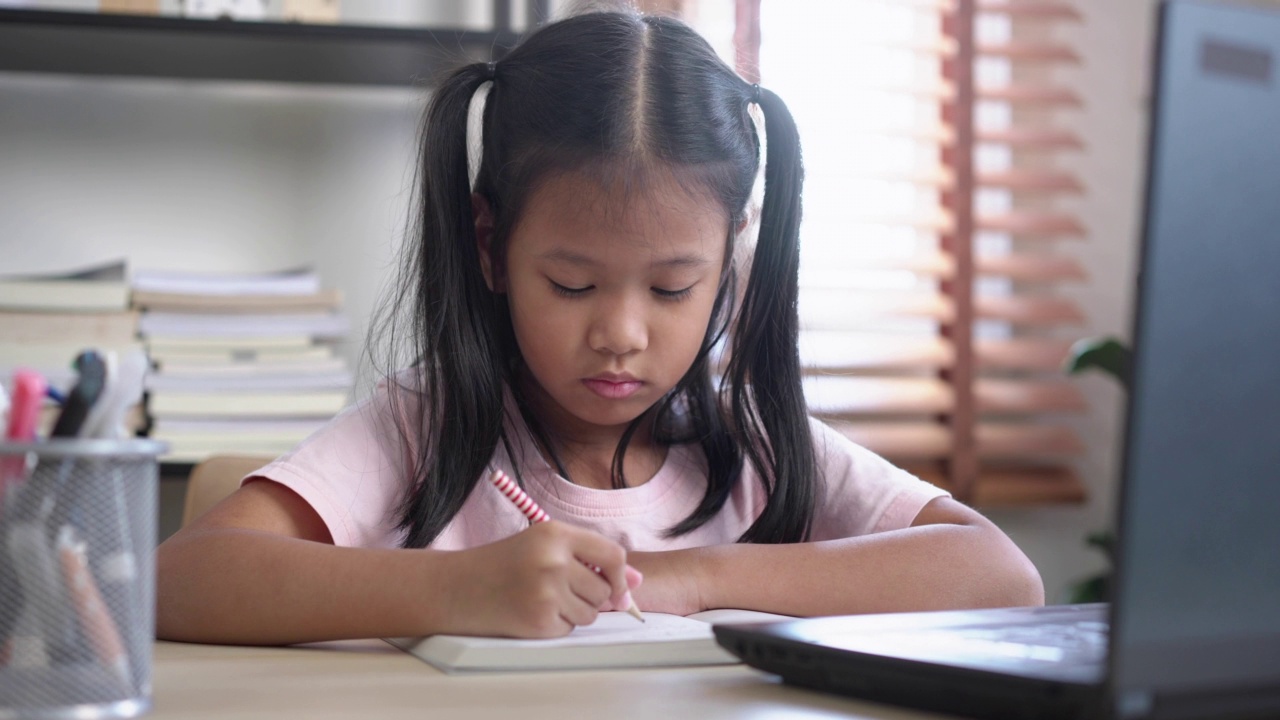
pixel 153 138
pixel 149 46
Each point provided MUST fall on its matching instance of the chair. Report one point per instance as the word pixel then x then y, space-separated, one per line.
pixel 215 478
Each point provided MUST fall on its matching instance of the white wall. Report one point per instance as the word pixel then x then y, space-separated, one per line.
pixel 356 191
pixel 164 172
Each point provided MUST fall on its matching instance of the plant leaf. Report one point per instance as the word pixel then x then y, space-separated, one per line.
pixel 1108 355
pixel 1095 589
pixel 1102 540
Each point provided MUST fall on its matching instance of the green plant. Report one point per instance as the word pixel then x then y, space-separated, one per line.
pixel 1106 354
pixel 1098 587
pixel 1112 357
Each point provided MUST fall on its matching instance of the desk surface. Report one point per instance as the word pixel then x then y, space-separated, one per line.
pixel 372 679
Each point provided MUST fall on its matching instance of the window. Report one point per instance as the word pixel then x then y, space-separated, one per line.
pixel 936 227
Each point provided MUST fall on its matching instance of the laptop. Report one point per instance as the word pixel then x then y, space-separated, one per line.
pixel 1193 626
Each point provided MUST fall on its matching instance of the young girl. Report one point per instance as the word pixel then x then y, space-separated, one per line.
pixel 582 203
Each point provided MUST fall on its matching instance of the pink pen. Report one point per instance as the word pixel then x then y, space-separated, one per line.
pixel 526 505
pixel 95 619
pixel 24 415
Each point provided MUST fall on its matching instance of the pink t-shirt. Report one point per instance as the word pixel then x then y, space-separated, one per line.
pixel 353 473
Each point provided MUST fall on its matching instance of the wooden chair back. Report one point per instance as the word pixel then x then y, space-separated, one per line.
pixel 214 479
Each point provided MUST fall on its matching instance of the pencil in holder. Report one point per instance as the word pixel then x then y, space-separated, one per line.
pixel 77 577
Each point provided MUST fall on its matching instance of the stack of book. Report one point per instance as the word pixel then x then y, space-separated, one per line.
pixel 243 364
pixel 48 319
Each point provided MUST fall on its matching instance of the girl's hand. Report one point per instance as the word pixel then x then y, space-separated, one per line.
pixel 535 583
pixel 634 578
pixel 673 582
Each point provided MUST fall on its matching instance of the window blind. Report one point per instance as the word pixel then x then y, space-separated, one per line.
pixel 1023 195
pixel 937 220
pixel 865 82
pixel 932 329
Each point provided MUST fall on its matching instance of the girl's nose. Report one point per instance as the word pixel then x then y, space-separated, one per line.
pixel 618 326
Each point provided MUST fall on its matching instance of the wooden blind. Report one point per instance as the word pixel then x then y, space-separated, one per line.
pixel 937 227
pixel 932 327
pixel 1019 60
pixel 865 82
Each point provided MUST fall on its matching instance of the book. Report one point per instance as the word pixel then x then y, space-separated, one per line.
pixel 130 7
pixel 296 350
pixel 90 329
pixel 614 640
pixel 219 404
pixel 241 360
pixel 214 428
pixel 316 325
pixel 159 344
pixel 329 300
pixel 268 382
pixel 101 288
pixel 192 440
pixel 317 359
pixel 298 281
pixel 229 366
pixel 63 296
pixel 181 450
pixel 59 354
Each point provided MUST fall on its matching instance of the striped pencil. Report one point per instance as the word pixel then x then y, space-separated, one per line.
pixel 526 505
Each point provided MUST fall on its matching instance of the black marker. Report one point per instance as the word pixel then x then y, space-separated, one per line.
pixel 92 369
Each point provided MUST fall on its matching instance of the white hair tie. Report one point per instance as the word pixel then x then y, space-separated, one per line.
pixel 757 119
pixel 755 201
pixel 475 131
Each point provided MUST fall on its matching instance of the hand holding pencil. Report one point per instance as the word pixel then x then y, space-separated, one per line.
pixel 526 505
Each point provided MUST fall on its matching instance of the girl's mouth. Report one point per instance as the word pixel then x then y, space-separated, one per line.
pixel 613 389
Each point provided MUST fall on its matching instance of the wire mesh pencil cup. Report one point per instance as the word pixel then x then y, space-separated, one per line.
pixel 77 577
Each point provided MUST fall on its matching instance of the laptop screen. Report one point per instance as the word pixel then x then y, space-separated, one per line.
pixel 1198 595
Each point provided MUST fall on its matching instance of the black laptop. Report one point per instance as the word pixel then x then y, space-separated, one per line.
pixel 1193 629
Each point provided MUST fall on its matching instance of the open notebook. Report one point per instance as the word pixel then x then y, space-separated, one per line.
pixel 614 640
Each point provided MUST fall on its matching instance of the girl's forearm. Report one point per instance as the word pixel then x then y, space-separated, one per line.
pixel 930 567
pixel 249 587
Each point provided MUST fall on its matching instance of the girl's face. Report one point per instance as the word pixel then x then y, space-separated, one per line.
pixel 610 295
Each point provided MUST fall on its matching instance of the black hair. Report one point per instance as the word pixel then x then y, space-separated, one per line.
pixel 618 96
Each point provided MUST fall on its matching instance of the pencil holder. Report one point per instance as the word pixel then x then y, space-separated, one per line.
pixel 77 577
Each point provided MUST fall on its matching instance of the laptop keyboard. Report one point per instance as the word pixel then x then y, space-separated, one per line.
pixel 1059 643
pixel 1078 642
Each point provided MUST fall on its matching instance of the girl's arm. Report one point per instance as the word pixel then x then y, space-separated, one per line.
pixel 950 558
pixel 260 568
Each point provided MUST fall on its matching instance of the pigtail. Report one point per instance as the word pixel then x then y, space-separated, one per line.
pixel 458 365
pixel 766 397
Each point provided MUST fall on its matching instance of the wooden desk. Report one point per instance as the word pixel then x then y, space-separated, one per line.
pixel 361 679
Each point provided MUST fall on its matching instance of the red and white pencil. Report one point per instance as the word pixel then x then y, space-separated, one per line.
pixel 526 505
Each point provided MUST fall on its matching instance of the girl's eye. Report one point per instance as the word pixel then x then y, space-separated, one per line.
pixel 674 294
pixel 568 291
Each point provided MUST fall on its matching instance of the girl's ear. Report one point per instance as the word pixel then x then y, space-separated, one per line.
pixel 752 214
pixel 483 215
